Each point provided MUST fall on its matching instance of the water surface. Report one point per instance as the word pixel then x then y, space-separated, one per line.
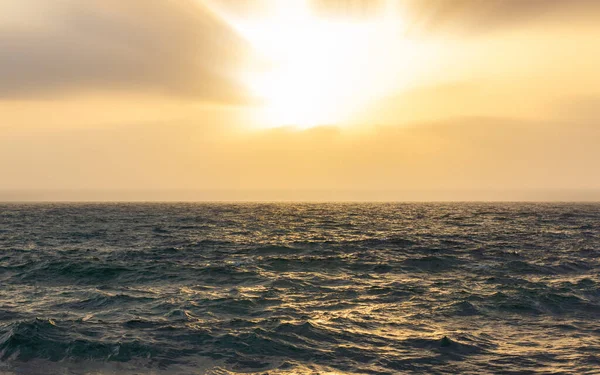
pixel 299 288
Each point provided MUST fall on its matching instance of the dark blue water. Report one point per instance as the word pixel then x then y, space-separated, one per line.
pixel 299 288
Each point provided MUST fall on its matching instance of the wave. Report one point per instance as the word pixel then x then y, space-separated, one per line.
pixel 46 339
pixel 299 289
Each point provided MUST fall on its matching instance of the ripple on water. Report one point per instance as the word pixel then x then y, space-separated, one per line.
pixel 299 288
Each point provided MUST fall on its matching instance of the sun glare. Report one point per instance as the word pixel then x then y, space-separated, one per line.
pixel 320 70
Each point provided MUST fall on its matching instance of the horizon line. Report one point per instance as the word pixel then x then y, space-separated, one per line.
pixel 298 196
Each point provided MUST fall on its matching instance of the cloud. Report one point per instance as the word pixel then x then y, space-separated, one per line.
pixel 486 153
pixel 465 15
pixel 178 47
pixel 482 15
pixel 583 110
pixel 173 47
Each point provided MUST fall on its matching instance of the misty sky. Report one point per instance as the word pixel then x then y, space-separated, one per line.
pixel 371 97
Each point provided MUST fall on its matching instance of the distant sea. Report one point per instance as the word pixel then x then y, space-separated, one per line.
pixel 458 288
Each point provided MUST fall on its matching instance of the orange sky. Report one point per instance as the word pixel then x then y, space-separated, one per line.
pixel 314 100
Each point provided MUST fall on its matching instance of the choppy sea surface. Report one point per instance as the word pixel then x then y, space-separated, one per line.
pixel 299 288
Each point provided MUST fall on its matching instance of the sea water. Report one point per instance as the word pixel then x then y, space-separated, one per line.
pixel 299 288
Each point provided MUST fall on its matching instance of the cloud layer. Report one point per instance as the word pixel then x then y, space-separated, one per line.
pixel 172 47
pixel 464 15
pixel 178 47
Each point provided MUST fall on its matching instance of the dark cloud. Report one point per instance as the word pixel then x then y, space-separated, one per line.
pixel 169 46
pixel 466 15
pixel 478 15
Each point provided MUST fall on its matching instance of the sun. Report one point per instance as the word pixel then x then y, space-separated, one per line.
pixel 321 70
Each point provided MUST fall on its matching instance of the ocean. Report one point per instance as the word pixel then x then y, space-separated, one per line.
pixel 415 288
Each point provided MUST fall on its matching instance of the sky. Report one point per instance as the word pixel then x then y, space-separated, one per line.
pixel 299 100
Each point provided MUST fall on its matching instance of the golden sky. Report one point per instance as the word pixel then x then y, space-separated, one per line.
pixel 300 99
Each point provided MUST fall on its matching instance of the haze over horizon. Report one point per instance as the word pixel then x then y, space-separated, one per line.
pixel 297 196
pixel 311 100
